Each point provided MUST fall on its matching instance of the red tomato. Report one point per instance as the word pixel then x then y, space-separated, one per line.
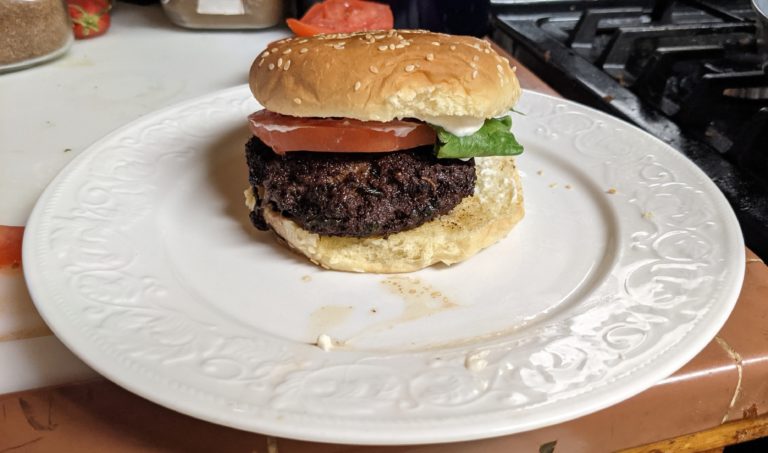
pixel 344 16
pixel 10 246
pixel 90 18
pixel 289 133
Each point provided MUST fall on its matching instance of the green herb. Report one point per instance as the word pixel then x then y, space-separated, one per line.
pixel 493 139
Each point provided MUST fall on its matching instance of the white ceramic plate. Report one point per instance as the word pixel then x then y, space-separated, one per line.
pixel 141 258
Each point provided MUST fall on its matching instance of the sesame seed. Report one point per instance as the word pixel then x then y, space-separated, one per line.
pixel 379 36
pixel 514 68
pixel 374 69
pixel 287 51
pixel 410 68
pixel 476 58
pixel 453 47
pixel 287 65
pixel 265 54
pixel 304 50
pixel 382 47
pixel 358 85
pixel 297 100
pixel 435 43
pixel 279 62
pixel 391 47
pixel 487 50
pixel 473 65
pixel 339 46
pixel 430 56
pixel 303 41
pixel 477 46
pixel 498 68
pixel 400 37
pixel 474 74
pixel 400 46
pixel 271 66
pixel 505 59
pixel 261 62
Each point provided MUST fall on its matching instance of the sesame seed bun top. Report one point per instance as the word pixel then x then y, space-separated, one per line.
pixel 384 75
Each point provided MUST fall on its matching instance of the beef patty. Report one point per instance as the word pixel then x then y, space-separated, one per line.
pixel 357 194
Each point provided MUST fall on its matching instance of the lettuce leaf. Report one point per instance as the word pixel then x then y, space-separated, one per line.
pixel 493 139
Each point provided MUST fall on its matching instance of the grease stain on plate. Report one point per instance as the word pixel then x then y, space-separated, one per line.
pixel 328 317
pixel 421 299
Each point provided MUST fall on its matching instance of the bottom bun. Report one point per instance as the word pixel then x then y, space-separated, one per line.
pixel 474 224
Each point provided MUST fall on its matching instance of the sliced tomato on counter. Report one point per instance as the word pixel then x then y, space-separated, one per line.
pixel 299 28
pixel 10 246
pixel 332 16
pixel 289 133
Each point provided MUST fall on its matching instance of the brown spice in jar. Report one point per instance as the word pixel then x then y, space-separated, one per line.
pixel 32 29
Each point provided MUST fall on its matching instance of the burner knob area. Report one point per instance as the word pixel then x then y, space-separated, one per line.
pixel 752 155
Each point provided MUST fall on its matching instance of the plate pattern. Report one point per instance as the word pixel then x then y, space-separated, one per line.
pixel 670 269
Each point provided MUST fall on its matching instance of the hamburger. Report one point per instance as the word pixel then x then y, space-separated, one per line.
pixel 383 151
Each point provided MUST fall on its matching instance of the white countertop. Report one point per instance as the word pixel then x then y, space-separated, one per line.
pixel 143 63
pixel 51 113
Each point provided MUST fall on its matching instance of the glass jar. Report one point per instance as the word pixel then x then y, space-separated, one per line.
pixel 222 14
pixel 33 31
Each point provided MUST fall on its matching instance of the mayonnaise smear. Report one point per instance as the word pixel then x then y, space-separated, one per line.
pixel 460 126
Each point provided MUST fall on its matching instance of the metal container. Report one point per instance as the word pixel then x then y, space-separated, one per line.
pixel 761 8
pixel 224 14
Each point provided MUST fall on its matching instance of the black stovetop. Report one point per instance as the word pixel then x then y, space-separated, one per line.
pixel 691 72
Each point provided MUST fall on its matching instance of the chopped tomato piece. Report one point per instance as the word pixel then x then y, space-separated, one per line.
pixel 343 16
pixel 10 246
pixel 300 28
pixel 289 133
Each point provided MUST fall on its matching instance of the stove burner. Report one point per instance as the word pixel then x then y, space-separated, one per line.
pixel 691 72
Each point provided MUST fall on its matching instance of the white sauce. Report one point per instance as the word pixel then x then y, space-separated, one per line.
pixel 460 126
pixel 324 342
pixel 277 127
pixel 477 361
pixel 399 131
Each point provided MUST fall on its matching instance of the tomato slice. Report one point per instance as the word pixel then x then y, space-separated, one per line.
pixel 345 16
pixel 289 133
pixel 10 246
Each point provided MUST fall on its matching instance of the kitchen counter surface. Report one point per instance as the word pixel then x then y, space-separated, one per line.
pixel 51 113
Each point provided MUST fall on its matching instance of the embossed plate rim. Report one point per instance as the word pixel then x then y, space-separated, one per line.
pixel 209 406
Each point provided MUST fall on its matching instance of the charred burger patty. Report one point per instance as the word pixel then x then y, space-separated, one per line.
pixel 357 194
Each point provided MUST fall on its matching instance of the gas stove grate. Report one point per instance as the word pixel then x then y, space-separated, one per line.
pixel 688 71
